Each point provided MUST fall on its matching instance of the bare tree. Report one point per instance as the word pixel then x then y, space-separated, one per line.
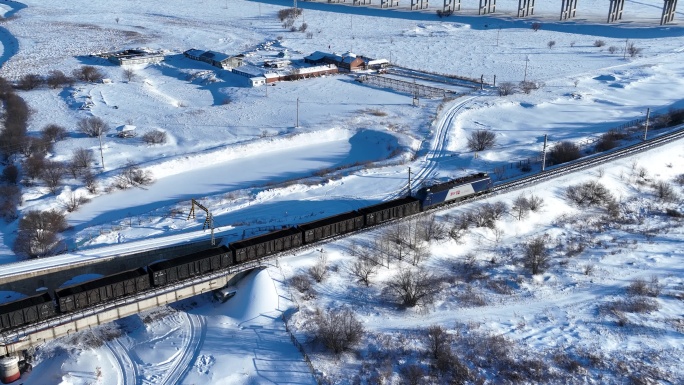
pixel 535 202
pixel 564 152
pixel 129 74
pixel 73 201
pixel 589 193
pixel 536 26
pixel 10 174
pixel 132 175
pixel 89 181
pixel 506 88
pixel 480 140
pixel 154 137
pixel 412 287
pixel 339 329
pixel 81 160
pixel 413 374
pixel 38 232
pixel 30 82
pixel 438 340
pixel 521 207
pixel 53 133
pixel 57 79
pixel 551 43
pixel 53 174
pixel 537 256
pixel 664 191
pixel 93 126
pixel 320 269
pixel 363 268
pixel 599 43
pixel 33 167
pixel 632 50
pixel 528 86
pixel 88 74
pixel 430 228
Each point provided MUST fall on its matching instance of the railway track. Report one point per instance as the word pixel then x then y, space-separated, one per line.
pixel 589 162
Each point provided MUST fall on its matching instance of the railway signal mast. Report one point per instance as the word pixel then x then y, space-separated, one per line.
pixel 208 221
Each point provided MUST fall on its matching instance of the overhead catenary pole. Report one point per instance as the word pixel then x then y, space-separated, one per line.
pixel 648 113
pixel 297 122
pixel 544 152
pixel 409 181
pixel 99 135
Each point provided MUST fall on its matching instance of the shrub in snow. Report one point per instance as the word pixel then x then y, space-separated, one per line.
pixel 154 137
pixel 10 197
pixel 536 26
pixel 52 175
pixel 528 86
pixel 412 374
pixel 30 82
pixel 38 233
pixel 53 133
pixel 88 74
pixel 664 191
pixel 506 88
pixel 650 289
pixel 537 256
pixel 412 287
pixel 81 160
pixel 551 43
pixel 589 194
pixel 564 152
pixel 363 268
pixel 132 175
pixel 301 283
pixel 338 329
pixel 320 269
pixel 599 43
pixel 57 79
pixel 92 126
pixel 73 201
pixel 480 140
pixel 10 174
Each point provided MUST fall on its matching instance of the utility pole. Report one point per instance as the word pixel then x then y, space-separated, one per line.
pixel 297 123
pixel 624 56
pixel 99 135
pixel 409 182
pixel 527 59
pixel 497 36
pixel 544 152
pixel 648 113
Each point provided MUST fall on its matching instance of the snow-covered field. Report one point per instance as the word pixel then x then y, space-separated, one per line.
pixel 239 151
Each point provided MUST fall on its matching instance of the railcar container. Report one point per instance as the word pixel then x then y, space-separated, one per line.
pixel 26 310
pixel 101 290
pixel 191 265
pixel 386 211
pixel 454 190
pixel 266 244
pixel 331 226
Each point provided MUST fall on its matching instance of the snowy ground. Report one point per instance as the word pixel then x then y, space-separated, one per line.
pixel 237 150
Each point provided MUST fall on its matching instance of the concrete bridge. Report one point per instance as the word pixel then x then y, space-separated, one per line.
pixel 525 8
pixel 17 340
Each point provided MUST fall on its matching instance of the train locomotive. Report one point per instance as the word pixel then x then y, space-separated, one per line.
pixel 98 291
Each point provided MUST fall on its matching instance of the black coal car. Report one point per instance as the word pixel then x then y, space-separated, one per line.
pixel 26 310
pixel 191 265
pixel 100 290
pixel 267 244
pixel 331 226
pixel 386 211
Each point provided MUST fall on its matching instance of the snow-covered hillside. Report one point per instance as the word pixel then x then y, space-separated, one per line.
pixel 264 157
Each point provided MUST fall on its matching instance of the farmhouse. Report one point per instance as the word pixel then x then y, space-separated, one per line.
pixel 132 56
pixel 346 62
pixel 217 59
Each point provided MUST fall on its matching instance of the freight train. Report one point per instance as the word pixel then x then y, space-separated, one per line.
pixel 101 290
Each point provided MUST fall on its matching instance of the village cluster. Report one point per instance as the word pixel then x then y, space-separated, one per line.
pixel 281 68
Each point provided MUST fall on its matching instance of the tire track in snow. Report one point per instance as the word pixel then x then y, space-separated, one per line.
pixel 181 365
pixel 128 370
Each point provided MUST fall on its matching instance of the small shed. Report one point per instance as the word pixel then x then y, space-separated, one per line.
pixel 125 131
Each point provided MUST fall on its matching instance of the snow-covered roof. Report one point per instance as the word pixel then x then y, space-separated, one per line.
pixel 125 127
